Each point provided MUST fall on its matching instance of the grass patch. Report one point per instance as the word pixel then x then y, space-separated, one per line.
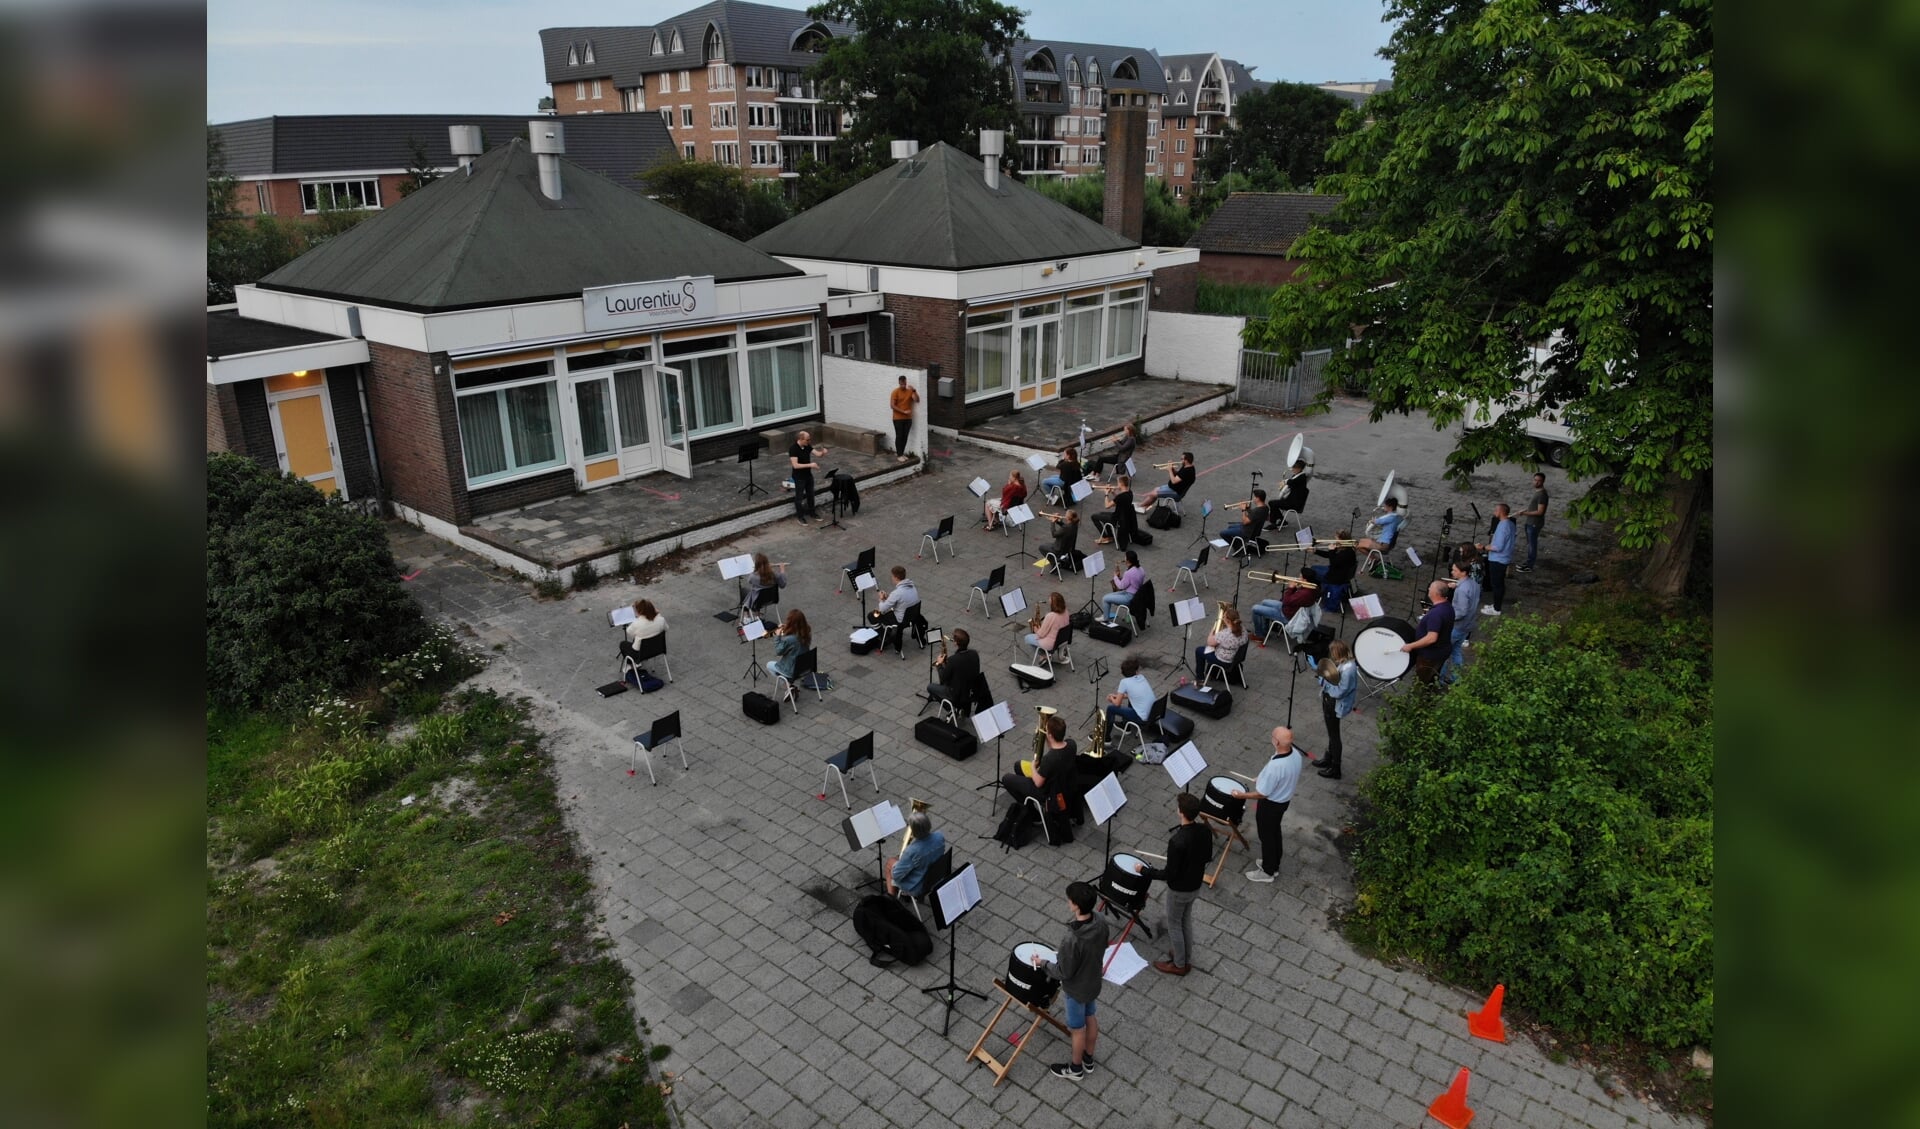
pixel 1237 299
pixel 373 964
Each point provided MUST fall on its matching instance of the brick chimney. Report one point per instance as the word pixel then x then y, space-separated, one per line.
pixel 1125 207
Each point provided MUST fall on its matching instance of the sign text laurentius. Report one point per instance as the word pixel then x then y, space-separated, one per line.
pixel 661 302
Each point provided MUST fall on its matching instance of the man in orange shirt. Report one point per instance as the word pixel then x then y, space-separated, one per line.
pixel 903 399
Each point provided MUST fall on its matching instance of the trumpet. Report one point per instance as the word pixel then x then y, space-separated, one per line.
pixel 1279 578
pixel 1246 505
pixel 1050 515
pixel 1167 466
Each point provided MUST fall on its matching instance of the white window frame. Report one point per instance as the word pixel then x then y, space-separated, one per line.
pixel 840 340
pixel 686 116
pixel 720 115
pixel 335 186
pixel 1179 191
pixel 1179 168
pixel 1072 322
pixel 770 150
pixel 263 197
pixel 719 76
pixel 1003 327
pixel 686 81
pixel 1179 144
pixel 596 90
pixel 802 335
pixel 561 434
pixel 666 82
pixel 726 152
pixel 573 56
pixel 580 90
pixel 1134 295
pixel 690 408
pixel 690 151
pixel 588 57
pixel 763 115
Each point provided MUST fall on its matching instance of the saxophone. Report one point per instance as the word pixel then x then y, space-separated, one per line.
pixel 1097 740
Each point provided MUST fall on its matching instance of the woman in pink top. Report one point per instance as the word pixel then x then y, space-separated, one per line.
pixel 1050 624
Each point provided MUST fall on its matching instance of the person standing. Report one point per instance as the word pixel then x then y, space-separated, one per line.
pixel 1535 516
pixel 1499 553
pixel 1433 634
pixel 1077 967
pixel 1273 788
pixel 1189 848
pixel 1466 615
pixel 801 462
pixel 1339 694
pixel 902 399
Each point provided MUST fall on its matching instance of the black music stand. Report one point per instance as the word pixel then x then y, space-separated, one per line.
pixel 836 493
pixel 1000 715
pixel 749 452
pixel 754 671
pixel 1186 626
pixel 1021 552
pixel 1096 670
pixel 963 890
pixel 873 826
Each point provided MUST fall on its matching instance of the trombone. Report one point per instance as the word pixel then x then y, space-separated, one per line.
pixel 1279 578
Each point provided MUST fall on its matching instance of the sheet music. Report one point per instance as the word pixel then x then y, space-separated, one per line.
pixel 958 894
pixel 1303 537
pixel 1013 603
pixel 1123 962
pixel 754 628
pixel 863 635
pixel 1106 798
pixel 1037 462
pixel 1217 543
pixel 865 582
pixel 1185 763
pixel 979 486
pixel 1020 514
pixel 621 616
pixel 1188 610
pixel 732 568
pixel 1131 471
pixel 1413 556
pixel 1367 606
pixel 1080 491
pixel 1095 564
pixel 1206 508
pixel 993 721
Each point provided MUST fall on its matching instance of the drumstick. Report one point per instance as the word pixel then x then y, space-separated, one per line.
pixel 1248 779
pixel 1151 855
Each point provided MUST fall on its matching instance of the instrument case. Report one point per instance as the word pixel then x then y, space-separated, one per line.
pixel 941 734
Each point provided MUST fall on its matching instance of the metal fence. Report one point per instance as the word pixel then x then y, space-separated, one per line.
pixel 1267 382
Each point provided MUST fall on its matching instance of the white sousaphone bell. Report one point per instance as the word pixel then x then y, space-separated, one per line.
pixel 1391 489
pixel 1298 450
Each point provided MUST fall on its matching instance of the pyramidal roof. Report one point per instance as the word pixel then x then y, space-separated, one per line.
pixel 935 210
pixel 492 238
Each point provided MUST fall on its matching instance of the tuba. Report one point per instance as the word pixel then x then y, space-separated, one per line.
pixel 907 835
pixel 1040 733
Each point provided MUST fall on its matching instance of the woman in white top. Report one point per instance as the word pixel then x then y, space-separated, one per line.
pixel 1223 644
pixel 647 622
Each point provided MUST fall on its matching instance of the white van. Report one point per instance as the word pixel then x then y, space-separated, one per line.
pixel 1548 433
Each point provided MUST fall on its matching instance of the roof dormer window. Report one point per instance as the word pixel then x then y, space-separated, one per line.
pixel 715 47
pixel 1093 72
pixel 589 53
pixel 573 55
pixel 1073 69
pixel 1186 74
pixel 659 47
pixel 675 44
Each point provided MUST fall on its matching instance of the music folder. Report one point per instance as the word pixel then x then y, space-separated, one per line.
pixel 979 486
pixel 1185 763
pixel 1080 491
pixel 956 896
pixel 1367 606
pixel 1037 462
pixel 621 616
pixel 993 721
pixel 1413 557
pixel 732 568
pixel 1095 564
pixel 1131 471
pixel 865 582
pixel 865 828
pixel 1020 514
pixel 1188 610
pixel 1303 537
pixel 1013 603
pixel 753 628
pixel 1106 798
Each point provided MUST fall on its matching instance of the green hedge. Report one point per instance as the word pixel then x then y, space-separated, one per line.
pixel 1233 299
pixel 1548 824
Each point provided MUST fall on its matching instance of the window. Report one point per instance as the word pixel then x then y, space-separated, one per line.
pixel 780 371
pixel 1153 127
pixel 1093 72
pixel 1179 191
pixel 686 80
pixel 850 342
pixel 596 90
pixel 1073 96
pixel 658 47
pixel 509 421
pixel 573 56
pixel 263 199
pixel 666 115
pixel 327 195
pixel 1180 99
pixel 675 45
pixel 1080 333
pixel 1179 168
pixel 1179 144
pixel 1069 126
pixel 763 115
pixel 686 116
pixel 763 78
pixel 720 115
pixel 709 380
pixel 687 151
pixel 989 348
pixel 1124 309
pixel 1152 153
pixel 715 48
pixel 1073 69
pixel 720 77
pixel 727 152
pixel 580 91
pixel 1169 74
pixel 766 154
pixel 1186 74
pixel 666 85
pixel 589 55
pixel 633 99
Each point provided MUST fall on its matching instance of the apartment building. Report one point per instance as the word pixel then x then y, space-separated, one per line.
pixel 1059 88
pixel 1200 93
pixel 728 79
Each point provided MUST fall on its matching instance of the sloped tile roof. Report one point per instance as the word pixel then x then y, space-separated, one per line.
pixel 1152 78
pixel 1261 223
pixel 750 33
pixel 230 335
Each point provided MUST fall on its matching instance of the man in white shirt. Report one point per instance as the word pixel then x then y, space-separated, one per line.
pixel 898 604
pixel 1132 700
pixel 1273 789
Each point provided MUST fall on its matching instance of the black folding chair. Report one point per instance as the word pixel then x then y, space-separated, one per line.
pixel 980 588
pixel 862 563
pixel 664 729
pixel 932 538
pixel 807 664
pixel 858 751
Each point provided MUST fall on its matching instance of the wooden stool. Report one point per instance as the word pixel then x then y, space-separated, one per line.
pixel 1216 824
pixel 979 1050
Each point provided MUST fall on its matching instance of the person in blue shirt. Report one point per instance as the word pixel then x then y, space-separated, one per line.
pixel 1466 614
pixel 1133 700
pixel 1274 789
pixel 1339 694
pixel 1499 553
pixel 1389 524
pixel 908 873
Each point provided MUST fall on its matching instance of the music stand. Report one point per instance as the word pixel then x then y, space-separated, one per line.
pixel 869 828
pixel 1012 603
pixel 951 901
pixel 978 488
pixel 863 583
pixel 1183 764
pixel 836 493
pixel 1080 491
pixel 1093 567
pixel 751 632
pixel 1096 670
pixel 1192 609
pixel 748 454
pixel 993 722
pixel 1019 516
pixel 733 568
pixel 1104 801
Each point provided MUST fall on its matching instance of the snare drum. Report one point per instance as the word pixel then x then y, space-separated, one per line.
pixel 1220 801
pixel 1377 647
pixel 1123 885
pixel 1026 983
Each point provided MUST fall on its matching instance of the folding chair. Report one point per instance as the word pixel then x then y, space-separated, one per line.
pixel 1141 609
pixel 1227 670
pixel 1057 564
pixel 664 729
pixel 807 664
pixel 1140 729
pixel 858 751
pixel 1192 567
pixel 651 648
pixel 765 598
pixel 982 587
pixel 1062 650
pixel 932 538
pixel 937 874
pixel 860 564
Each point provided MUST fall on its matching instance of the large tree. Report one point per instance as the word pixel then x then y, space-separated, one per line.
pixel 720 196
pixel 920 70
pixel 1539 171
pixel 1282 131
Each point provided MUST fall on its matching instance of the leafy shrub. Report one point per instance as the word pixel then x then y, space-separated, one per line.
pixel 1242 299
pixel 302 593
pixel 585 576
pixel 1548 824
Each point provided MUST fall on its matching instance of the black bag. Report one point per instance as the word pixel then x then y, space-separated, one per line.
pixel 1119 634
pixel 889 927
pixel 760 708
pixel 1081 620
pixel 1163 517
pixel 1059 825
pixel 1208 701
pixel 939 733
pixel 1142 537
pixel 868 647
pixel 1016 827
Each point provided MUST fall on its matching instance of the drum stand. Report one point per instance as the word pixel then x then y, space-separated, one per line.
pixel 1040 1015
pixel 952 989
pixel 1232 832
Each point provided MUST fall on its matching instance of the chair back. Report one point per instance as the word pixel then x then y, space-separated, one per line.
pixel 1159 709
pixel 944 529
pixel 766 597
pixel 665 729
pixel 917 623
pixel 807 663
pixel 1065 636
pixel 863 562
pixel 937 873
pixel 653 647
pixel 994 579
pixel 859 749
pixel 1201 560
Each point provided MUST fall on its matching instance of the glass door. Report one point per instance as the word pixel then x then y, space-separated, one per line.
pixel 637 454
pixel 676 451
pixel 1039 375
pixel 593 408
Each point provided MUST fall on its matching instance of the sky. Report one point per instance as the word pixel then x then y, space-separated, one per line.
pixel 483 56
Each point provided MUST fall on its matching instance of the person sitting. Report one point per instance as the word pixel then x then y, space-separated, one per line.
pixel 1065 475
pixel 1121 519
pixel 1048 635
pixel 1342 562
pixel 1132 700
pixel 1297 594
pixel 1389 524
pixel 1066 535
pixel 958 670
pixel 897 606
pixel 1179 480
pixel 1293 492
pixel 908 873
pixel 1011 495
pixel 793 638
pixel 1249 527
pixel 647 622
pixel 1222 645
pixel 1053 773
pixel 1127 579
pixel 1123 449
pixel 765 575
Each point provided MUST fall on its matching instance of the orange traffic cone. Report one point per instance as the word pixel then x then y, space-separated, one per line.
pixel 1486 1023
pixel 1450 1109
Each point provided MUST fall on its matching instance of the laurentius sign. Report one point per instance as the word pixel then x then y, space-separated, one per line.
pixel 648 303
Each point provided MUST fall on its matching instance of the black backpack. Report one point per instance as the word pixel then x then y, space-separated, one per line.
pixel 889 927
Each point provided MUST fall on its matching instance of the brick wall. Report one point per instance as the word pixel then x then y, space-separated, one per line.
pixel 256 426
pixel 1101 377
pixel 223 420
pixel 1123 209
pixel 416 432
pixel 356 462
pixel 567 101
pixel 522 492
pixel 284 199
pixel 1174 289
pixel 1262 270
pixel 932 332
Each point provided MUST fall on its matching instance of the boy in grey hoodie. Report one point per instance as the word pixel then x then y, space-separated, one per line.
pixel 1078 969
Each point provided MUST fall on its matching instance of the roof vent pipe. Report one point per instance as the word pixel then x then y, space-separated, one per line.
pixel 548 141
pixel 905 150
pixel 993 143
pixel 465 140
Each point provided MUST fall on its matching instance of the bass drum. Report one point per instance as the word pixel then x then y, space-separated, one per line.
pixel 1026 983
pixel 1377 647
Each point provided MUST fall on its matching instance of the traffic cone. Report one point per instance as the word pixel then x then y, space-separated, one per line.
pixel 1486 1023
pixel 1450 1109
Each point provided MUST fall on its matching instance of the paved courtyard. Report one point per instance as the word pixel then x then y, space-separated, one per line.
pixel 722 887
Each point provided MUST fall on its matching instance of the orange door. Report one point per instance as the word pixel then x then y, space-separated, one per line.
pixel 305 448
